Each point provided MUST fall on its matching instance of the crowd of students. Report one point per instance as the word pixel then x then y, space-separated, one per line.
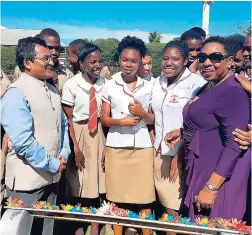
pixel 84 136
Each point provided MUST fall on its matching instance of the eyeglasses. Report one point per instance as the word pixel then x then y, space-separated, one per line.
pixel 215 57
pixel 57 48
pixel 46 58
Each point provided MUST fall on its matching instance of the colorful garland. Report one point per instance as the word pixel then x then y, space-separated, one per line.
pixel 112 209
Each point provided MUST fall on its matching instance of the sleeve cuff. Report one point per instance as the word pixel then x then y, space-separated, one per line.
pixel 65 153
pixel 54 164
pixel 105 100
pixel 67 102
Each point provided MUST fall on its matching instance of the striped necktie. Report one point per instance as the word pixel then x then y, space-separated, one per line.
pixel 92 122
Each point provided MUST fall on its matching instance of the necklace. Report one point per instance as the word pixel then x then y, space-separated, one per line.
pixel 212 84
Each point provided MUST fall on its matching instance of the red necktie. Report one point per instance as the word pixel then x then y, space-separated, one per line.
pixel 92 122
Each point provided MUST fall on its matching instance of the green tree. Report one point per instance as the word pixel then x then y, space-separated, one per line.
pixel 176 38
pixel 244 30
pixel 8 58
pixel 155 50
pixel 154 37
pixel 109 48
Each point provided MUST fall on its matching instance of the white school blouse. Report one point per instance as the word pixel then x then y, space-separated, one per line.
pixel 167 104
pixel 76 94
pixel 118 95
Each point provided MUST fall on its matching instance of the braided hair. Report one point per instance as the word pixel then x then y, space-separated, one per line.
pixel 180 45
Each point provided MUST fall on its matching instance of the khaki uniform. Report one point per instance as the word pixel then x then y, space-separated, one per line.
pixel 129 175
pixel 105 73
pixel 17 74
pixel 129 153
pixel 4 83
pixel 63 75
pixel 90 182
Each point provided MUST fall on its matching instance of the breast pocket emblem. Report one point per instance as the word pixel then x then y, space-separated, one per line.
pixel 174 99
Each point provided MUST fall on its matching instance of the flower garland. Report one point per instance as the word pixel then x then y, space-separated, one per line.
pixel 112 209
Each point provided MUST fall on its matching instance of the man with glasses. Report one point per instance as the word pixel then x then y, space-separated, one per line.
pixel 37 129
pixel 52 40
pixel 194 41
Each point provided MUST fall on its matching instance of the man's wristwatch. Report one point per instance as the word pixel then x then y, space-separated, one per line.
pixel 212 188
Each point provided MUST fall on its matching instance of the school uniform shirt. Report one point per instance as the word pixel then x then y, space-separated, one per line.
pixel 148 79
pixel 168 103
pixel 63 75
pixel 118 95
pixel 76 93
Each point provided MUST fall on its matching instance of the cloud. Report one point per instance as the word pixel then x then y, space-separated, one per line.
pixel 70 32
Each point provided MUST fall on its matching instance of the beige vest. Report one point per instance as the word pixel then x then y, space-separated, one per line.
pixel 45 108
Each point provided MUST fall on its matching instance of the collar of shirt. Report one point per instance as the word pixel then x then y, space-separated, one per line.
pixel 164 80
pixel 119 81
pixel 86 86
pixel 35 80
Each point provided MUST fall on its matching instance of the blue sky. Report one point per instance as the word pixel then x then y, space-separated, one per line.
pixel 117 19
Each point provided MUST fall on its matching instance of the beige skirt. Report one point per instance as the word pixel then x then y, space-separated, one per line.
pixel 90 182
pixel 129 175
pixel 169 194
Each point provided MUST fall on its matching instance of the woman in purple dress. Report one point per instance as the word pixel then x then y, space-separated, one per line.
pixel 217 169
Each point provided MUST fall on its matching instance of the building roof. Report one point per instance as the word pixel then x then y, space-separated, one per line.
pixel 10 37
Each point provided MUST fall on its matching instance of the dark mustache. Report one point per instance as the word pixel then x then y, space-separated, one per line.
pixel 53 69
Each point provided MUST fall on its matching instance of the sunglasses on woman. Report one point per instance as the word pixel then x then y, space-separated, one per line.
pixel 215 57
